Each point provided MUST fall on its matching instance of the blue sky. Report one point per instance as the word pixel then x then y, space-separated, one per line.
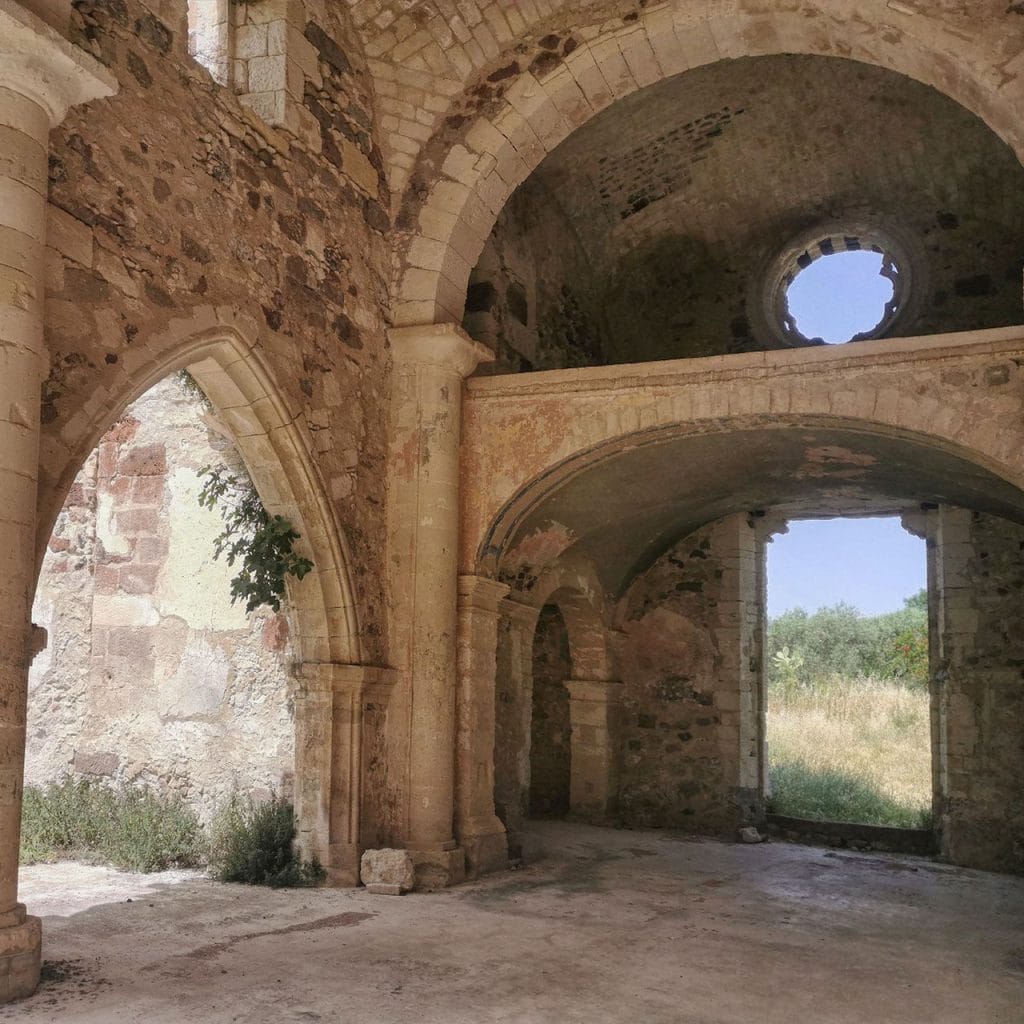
pixel 870 563
pixel 839 296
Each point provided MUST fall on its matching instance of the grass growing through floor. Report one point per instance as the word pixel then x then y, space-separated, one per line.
pixel 848 716
pixel 135 830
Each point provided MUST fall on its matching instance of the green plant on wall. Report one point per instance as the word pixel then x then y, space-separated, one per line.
pixel 262 544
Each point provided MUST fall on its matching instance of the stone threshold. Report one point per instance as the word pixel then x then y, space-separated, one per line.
pixel 846 834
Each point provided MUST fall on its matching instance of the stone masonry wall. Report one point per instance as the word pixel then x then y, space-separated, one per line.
pixel 173 208
pixel 531 296
pixel 686 626
pixel 981 688
pixel 151 677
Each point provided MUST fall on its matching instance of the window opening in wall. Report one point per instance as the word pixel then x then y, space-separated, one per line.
pixel 848 706
pixel 209 36
pixel 841 296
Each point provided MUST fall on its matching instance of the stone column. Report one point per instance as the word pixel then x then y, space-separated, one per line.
pixel 739 696
pixel 41 76
pixel 593 715
pixel 477 828
pixel 329 764
pixel 513 717
pixel 430 363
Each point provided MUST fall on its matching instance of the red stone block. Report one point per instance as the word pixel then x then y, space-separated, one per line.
pixel 139 579
pixel 275 633
pixel 146 460
pixel 147 490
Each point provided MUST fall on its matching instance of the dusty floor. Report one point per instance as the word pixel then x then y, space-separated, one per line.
pixel 611 927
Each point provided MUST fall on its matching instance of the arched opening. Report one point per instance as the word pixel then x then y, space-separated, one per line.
pixel 555 95
pixel 551 756
pixel 152 677
pixel 682 556
pixel 316 664
pixel 619 248
pixel 233 376
pixel 550 724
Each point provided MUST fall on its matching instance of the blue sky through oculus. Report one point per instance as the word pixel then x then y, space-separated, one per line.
pixel 870 563
pixel 839 296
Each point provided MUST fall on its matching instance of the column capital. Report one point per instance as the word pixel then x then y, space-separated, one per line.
pixel 598 691
pixel 519 611
pixel 481 593
pixel 444 345
pixel 37 62
pixel 329 677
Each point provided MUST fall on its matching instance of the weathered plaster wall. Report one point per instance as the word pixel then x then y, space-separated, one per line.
pixel 981 688
pixel 550 731
pixel 689 642
pixel 151 676
pixel 173 210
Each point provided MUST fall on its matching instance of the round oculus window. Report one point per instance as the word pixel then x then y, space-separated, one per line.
pixel 831 287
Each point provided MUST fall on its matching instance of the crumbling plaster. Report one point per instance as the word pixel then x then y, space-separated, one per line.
pixel 949 397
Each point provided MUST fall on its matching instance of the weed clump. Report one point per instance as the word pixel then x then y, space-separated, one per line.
pixel 135 830
pixel 254 842
pixel 131 829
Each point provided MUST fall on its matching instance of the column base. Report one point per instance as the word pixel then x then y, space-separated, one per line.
pixel 485 853
pixel 21 944
pixel 438 868
pixel 516 840
pixel 343 869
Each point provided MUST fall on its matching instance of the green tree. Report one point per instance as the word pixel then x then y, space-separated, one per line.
pixel 839 642
pixel 264 544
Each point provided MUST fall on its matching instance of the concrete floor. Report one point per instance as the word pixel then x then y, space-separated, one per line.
pixel 610 927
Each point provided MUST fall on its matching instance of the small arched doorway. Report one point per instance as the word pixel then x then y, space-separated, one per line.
pixel 550 721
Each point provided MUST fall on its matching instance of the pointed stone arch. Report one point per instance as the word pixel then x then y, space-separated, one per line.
pixel 333 683
pixel 216 349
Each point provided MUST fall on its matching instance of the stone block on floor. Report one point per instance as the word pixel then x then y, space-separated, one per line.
pixel 386 870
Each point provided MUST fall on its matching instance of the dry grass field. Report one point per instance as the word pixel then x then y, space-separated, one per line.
pixel 851 750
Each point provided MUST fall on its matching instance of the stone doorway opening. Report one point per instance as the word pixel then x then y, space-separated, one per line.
pixel 550 724
pixel 848 681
